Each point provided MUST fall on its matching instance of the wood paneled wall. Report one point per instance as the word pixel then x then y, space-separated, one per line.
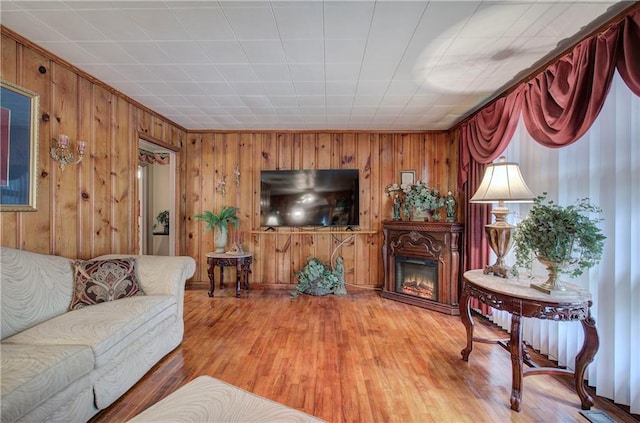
pixel 90 208
pixel 212 156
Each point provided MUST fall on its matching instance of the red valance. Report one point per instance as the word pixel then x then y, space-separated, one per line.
pixel 153 158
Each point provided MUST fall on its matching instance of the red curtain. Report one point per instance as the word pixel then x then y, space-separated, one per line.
pixel 563 101
pixel 629 56
pixel 558 106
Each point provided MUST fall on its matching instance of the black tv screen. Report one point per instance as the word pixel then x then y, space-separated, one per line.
pixel 314 197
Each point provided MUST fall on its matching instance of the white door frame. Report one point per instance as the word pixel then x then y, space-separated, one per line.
pixel 144 220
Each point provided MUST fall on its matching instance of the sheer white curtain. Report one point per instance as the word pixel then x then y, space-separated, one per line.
pixel 603 165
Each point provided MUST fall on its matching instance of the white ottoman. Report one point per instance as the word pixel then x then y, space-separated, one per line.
pixel 206 399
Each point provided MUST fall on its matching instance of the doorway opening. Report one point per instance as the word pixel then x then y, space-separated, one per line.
pixel 156 199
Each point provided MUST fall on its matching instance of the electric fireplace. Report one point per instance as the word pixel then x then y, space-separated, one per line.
pixel 422 264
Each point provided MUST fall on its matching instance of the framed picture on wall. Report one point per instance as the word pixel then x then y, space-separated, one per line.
pixel 18 148
pixel 407 177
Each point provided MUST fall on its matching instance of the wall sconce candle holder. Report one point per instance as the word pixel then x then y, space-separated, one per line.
pixel 63 155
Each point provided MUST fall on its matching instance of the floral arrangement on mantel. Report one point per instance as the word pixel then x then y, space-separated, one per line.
pixel 418 197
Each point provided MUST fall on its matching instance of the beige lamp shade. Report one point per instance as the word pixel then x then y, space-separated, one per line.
pixel 503 182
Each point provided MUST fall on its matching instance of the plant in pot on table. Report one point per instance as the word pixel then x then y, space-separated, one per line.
pixel 219 222
pixel 564 239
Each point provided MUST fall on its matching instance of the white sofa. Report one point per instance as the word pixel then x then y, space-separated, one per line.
pixel 60 365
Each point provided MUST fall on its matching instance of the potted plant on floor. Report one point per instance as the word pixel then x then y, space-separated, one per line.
pixel 219 222
pixel 564 239
pixel 316 278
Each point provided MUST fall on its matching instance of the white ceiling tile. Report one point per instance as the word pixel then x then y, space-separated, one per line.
pixel 256 101
pixel 368 88
pixel 189 88
pixel 159 24
pixel 272 72
pixel 137 72
pixel 264 51
pixel 304 51
pixel 183 52
pixel 159 88
pixel 205 23
pixel 238 72
pixel 344 50
pixel 284 101
pixel 223 51
pixel 305 20
pixel 307 72
pixel 145 52
pixel 492 20
pixel 203 73
pixel 81 30
pixel 169 73
pixel 395 100
pixel 339 100
pixel 342 71
pixel 229 100
pixel 348 19
pixel 216 88
pixel 400 87
pixel 341 87
pixel 175 100
pixel 106 52
pixel 309 88
pixel 106 20
pixel 367 100
pixel 311 100
pixel 247 88
pixel 377 71
pixel 284 88
pixel 252 23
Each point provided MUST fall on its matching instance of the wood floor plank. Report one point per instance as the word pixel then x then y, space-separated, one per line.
pixel 358 358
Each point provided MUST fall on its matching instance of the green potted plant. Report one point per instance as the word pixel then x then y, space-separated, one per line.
pixel 564 239
pixel 162 219
pixel 219 222
pixel 420 197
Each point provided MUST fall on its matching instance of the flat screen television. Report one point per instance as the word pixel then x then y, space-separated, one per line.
pixel 309 197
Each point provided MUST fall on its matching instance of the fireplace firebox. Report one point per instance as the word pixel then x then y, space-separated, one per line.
pixel 417 276
pixel 422 264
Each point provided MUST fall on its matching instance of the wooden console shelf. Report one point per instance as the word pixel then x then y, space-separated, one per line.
pixel 303 232
pixel 437 242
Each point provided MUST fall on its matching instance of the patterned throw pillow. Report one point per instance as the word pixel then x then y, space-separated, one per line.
pixel 98 281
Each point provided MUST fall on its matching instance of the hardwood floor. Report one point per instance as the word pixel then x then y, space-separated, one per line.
pixel 358 358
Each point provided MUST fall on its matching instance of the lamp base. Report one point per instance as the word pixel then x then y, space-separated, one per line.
pixel 496 270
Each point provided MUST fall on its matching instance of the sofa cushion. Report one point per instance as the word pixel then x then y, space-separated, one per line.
pixel 98 281
pixel 107 328
pixel 31 375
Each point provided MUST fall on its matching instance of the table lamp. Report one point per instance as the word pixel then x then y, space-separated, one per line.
pixel 502 183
